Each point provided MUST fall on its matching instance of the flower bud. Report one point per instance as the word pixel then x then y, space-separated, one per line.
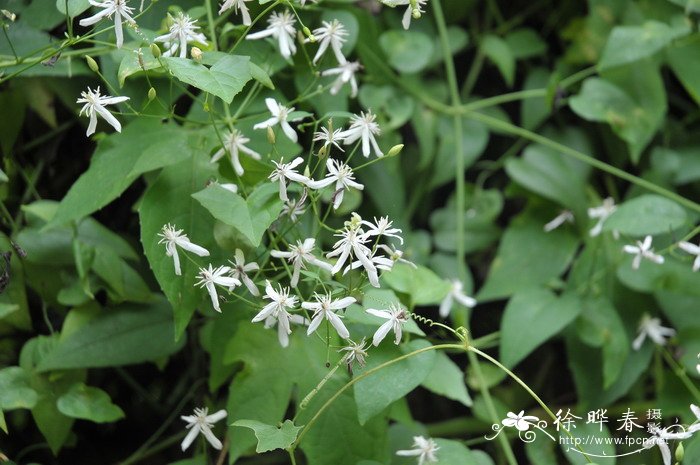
pixel 270 135
pixel 416 13
pixel 395 150
pixel 322 152
pixel 151 94
pixel 92 64
pixel 307 31
pixel 196 53
pixel 307 172
pixel 155 50
pixel 205 107
pixel 680 452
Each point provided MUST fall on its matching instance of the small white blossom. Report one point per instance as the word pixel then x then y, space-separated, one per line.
pixel 234 142
pixel 117 8
pixel 660 438
pixel 395 316
pixel 456 293
pixel 341 174
pixel 601 213
pixel 173 238
pixel 331 34
pixel 356 352
pixel 643 249
pixel 382 227
pixel 352 242
pixel 413 10
pixel 281 27
pixel 346 73
pixel 652 328
pixel 277 309
pixel 94 104
pixel 520 421
pixel 396 255
pixel 237 5
pixel 300 254
pixel 693 250
pixel 286 171
pixel 294 208
pixel 364 127
pixel 282 336
pixel 696 424
pixel 329 137
pixel 182 32
pixel 240 270
pixel 564 217
pixel 423 448
pixel 280 115
pixel 209 277
pixel 325 308
pixel 200 422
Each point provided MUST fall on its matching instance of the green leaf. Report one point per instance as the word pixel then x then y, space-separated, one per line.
pixel 603 446
pixel 117 163
pixel 647 214
pixel 424 286
pixel 539 310
pixel 251 216
pixel 75 7
pixel 124 335
pixel 684 60
pixel 475 138
pixel 380 389
pixel 407 51
pixel 447 380
pixel 628 44
pixel 224 79
pixel 525 43
pixel 88 403
pixel 15 389
pixel 527 256
pixel 271 437
pixel 259 74
pixel 498 51
pixel 131 64
pixel 169 200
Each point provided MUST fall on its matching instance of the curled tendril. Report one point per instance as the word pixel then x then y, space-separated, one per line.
pixel 460 332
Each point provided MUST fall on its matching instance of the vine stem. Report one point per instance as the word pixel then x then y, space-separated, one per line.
pixel 473 350
pixel 360 378
pixel 679 371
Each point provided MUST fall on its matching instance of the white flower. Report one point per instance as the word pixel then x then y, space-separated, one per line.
pixel 696 424
pixel 693 250
pixel 325 308
pixel 286 171
pixel 340 174
pixel 519 421
pixel 329 137
pixel 352 241
pixel 298 254
pixel 208 277
pixel 380 262
pixel 280 114
pixel 236 5
pixel 230 187
pixel 277 310
pixel 423 448
pixel 346 73
pixel 200 422
pixel 294 208
pixel 182 31
pixel 660 438
pixel 651 327
pixel 601 213
pixel 395 316
pixel 364 127
pixel 95 104
pixel 330 34
pixel 382 227
pixel 643 250
pixel 240 270
pixel 396 255
pixel 411 11
pixel 282 335
pixel 234 142
pixel 281 27
pixel 117 8
pixel 564 217
pixel 356 352
pixel 456 293
pixel 173 238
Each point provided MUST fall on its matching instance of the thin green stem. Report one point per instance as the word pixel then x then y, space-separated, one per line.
pixel 211 24
pixel 679 371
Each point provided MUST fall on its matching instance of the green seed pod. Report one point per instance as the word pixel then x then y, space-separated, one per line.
pixel 151 94
pixel 680 452
pixel 270 135
pixel 92 64
pixel 395 150
pixel 155 50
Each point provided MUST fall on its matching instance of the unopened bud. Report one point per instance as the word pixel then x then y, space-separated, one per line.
pixel 416 13
pixel 307 172
pixel 307 31
pixel 196 53
pixel 680 452
pixel 155 50
pixel 205 107
pixel 151 94
pixel 92 64
pixel 322 152
pixel 270 135
pixel 395 150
